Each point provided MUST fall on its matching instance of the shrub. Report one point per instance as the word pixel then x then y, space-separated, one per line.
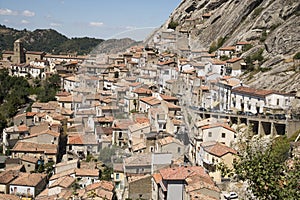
pixel 173 24
pixel 297 56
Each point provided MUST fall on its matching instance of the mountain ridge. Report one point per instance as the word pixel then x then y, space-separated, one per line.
pixel 51 41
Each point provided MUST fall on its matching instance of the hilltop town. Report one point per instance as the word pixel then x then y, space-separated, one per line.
pixel 153 122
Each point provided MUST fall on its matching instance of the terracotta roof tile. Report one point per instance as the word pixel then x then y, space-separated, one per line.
pixel 106 185
pixel 29 159
pixel 142 91
pixel 28 179
pixel 217 149
pixel 242 43
pixel 233 60
pixel 168 140
pixel 8 175
pixel 228 48
pixel 217 125
pixel 252 91
pixel 181 173
pixel 150 100
pixel 87 172
pixel 168 98
pixel 142 120
pixel 9 197
pixel 65 182
pixel 35 147
pixel 81 139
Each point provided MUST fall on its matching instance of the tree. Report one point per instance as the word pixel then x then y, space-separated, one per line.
pixel 106 173
pixel 106 154
pixel 263 165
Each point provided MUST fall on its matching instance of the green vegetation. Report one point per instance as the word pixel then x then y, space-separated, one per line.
pixel 47 89
pixel 263 36
pixel 14 92
pixel 297 56
pixel 247 47
pixel 106 154
pixel 256 56
pixel 173 24
pixel 266 169
pixel 216 45
pixel 257 12
pixel 106 173
pixel 224 57
pixel 47 40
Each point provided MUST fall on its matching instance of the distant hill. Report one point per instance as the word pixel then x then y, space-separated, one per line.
pixel 112 46
pixel 47 40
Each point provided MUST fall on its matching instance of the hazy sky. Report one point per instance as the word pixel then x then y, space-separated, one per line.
pixel 93 18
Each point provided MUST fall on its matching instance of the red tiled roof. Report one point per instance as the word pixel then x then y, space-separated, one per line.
pixel 252 91
pixel 142 91
pixel 218 149
pixel 35 147
pixel 217 125
pixel 233 60
pixel 87 172
pixel 228 48
pixel 28 179
pixel 106 185
pixel 243 43
pixel 218 62
pixel 168 98
pixel 142 120
pixel 181 173
pixel 150 100
pixel 81 139
pixel 169 140
pixel 30 114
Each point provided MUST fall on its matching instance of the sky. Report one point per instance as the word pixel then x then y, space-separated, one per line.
pixel 103 19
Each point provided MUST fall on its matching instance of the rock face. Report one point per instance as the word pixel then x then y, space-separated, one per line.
pixel 273 24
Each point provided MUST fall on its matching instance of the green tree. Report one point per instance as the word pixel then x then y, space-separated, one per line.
pixel 106 173
pixel 263 166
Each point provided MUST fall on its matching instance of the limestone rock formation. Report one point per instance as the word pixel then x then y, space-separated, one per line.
pixel 272 24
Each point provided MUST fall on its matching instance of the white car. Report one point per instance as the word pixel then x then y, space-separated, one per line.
pixel 231 195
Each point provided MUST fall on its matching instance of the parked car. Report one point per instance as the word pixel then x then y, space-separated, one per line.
pixel 231 195
pixel 248 113
pixel 202 109
pixel 280 116
pixel 240 113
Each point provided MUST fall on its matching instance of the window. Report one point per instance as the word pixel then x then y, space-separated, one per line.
pixel 223 135
pixel 117 176
pixel 277 102
pixel 209 134
pixel 151 149
pixel 286 102
pixel 178 150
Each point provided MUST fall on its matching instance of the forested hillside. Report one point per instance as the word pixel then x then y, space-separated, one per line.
pixel 47 40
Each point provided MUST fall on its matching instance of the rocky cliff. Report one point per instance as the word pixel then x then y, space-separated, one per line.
pixel 272 25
